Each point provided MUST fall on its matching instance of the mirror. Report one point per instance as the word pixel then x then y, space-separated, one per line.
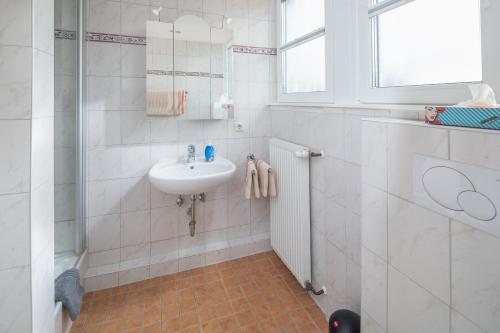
pixel 189 70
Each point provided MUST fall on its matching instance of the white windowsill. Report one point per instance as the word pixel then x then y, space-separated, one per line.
pixel 402 107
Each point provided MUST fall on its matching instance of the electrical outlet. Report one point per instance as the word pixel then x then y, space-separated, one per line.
pixel 238 127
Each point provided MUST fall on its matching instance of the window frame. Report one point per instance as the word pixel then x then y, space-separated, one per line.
pixel 326 96
pixel 423 94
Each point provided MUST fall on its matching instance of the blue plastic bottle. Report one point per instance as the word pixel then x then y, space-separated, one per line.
pixel 209 153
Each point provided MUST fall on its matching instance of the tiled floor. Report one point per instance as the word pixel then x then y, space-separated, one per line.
pixel 252 294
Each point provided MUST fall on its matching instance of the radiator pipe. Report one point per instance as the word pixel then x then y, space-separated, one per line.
pixel 309 287
pixel 308 284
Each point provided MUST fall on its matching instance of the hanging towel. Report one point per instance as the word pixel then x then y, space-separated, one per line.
pixel 272 183
pixel 263 170
pixel 251 180
pixel 69 292
pixel 166 103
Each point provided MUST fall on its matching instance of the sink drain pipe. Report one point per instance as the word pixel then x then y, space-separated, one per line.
pixel 192 212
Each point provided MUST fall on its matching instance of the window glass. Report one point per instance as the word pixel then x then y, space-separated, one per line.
pixel 305 69
pixel 303 17
pixel 428 42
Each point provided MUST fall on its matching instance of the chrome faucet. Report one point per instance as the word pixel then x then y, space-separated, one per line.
pixel 191 154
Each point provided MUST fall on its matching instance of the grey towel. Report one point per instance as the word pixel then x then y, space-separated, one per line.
pixel 69 292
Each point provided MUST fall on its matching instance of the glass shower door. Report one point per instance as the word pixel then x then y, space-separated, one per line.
pixel 68 217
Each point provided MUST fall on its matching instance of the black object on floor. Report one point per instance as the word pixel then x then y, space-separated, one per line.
pixel 344 321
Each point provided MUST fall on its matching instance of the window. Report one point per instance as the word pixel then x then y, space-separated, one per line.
pixel 304 63
pixel 427 42
pixel 421 49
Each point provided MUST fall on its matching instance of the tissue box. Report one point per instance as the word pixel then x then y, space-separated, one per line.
pixel 488 118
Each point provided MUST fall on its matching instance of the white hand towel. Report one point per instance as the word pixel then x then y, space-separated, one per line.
pixel 272 183
pixel 263 170
pixel 251 179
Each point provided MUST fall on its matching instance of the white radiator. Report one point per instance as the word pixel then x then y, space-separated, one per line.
pixel 290 211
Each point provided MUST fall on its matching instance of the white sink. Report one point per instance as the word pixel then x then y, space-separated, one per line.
pixel 175 176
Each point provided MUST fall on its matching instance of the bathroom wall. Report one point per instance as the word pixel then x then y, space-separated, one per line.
pixel 423 271
pixel 135 232
pixel 335 193
pixel 26 166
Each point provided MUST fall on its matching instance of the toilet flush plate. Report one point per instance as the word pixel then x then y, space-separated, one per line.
pixel 467 193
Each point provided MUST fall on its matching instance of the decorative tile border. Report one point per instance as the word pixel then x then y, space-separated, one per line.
pixel 182 73
pixel 113 38
pixel 254 50
pixel 65 34
pixel 138 40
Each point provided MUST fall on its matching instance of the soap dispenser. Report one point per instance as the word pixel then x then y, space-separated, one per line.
pixel 209 152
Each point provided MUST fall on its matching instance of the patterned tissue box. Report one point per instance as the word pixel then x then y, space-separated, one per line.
pixel 487 118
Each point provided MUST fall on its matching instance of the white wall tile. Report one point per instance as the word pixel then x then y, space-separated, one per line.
pixel 42 220
pixel 195 5
pixel 135 127
pixel 43 85
pixel 353 228
pixel 64 165
pixel 475 276
pixel 164 223
pixel 415 235
pixel 335 224
pixel 216 215
pixel 133 93
pixel 14 166
pixel 135 194
pixel 476 148
pixel 104 233
pixel 104 197
pixel 16 300
pixel 133 19
pixel 336 269
pixel 460 324
pixel 103 59
pixel 104 128
pixel 133 61
pixel 374 221
pixel 413 309
pixel 374 287
pixel 104 16
pixel 16 22
pixel 102 258
pixel 404 141
pixel 103 93
pixel 368 325
pixel 15 240
pixel 237 8
pixel 374 154
pixel 214 6
pixel 104 162
pixel 101 282
pixel 134 161
pixel 42 151
pixel 135 228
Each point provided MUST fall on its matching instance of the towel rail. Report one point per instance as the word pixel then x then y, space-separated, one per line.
pixel 251 157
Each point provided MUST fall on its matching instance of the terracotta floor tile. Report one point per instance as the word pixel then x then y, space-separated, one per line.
pixel 256 294
pixel 171 325
pixel 153 328
pixel 245 318
pixel 188 320
pixel 207 313
pixel 224 309
pixel 111 327
pixel 228 324
pixel 211 327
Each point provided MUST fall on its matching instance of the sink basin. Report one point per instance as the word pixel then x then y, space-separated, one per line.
pixel 175 176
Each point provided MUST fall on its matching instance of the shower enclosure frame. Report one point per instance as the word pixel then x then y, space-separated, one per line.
pixel 81 137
